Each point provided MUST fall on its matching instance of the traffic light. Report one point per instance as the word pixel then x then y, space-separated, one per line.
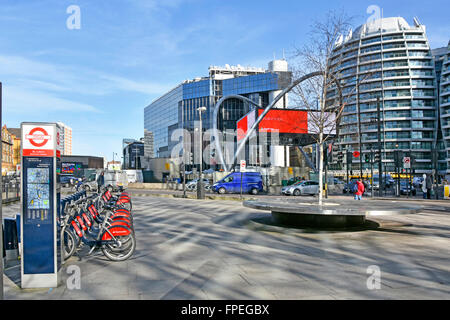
pixel 377 157
pixel 327 156
pixel 340 156
pixel 367 158
pixel 349 157
pixel 189 157
pixel 398 158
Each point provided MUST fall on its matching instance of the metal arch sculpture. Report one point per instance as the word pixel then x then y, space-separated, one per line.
pixel 216 112
pixel 266 110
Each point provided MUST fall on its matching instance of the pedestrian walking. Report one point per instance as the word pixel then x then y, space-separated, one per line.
pixel 359 190
pixel 100 181
pixel 78 184
pixel 429 186
pixel 424 186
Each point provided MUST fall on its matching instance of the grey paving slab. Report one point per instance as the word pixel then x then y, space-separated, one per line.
pixel 298 290
pixel 190 249
pixel 230 291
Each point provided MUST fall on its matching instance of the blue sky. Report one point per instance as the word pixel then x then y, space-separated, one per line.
pixel 98 79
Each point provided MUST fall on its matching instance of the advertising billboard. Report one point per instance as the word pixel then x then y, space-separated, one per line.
pixel 288 121
pixel 244 124
pixel 284 121
pixel 70 168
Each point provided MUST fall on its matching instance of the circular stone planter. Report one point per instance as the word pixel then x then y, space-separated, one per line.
pixel 331 214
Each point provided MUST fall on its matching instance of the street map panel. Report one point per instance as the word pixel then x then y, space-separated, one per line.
pixel 38 188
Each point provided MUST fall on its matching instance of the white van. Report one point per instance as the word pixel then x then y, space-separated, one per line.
pixel 113 178
pixel 116 179
pixel 134 176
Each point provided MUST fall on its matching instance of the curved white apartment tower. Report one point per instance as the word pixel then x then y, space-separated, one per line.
pixel 445 105
pixel 392 60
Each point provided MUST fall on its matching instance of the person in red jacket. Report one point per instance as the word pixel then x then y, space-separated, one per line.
pixel 360 191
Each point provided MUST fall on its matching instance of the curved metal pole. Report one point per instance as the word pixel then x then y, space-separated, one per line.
pixel 270 106
pixel 216 112
pixel 266 110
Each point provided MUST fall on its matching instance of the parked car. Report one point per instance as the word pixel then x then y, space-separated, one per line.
pixel 67 181
pixel 417 182
pixel 292 181
pixel 406 188
pixel 192 185
pixel 348 187
pixel 301 188
pixel 251 183
pixel 388 181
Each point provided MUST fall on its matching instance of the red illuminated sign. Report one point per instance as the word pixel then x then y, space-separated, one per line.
pixel 284 121
pixel 242 128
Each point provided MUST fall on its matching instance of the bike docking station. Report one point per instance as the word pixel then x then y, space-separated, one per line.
pixel 40 205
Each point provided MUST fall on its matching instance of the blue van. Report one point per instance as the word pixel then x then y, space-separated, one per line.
pixel 251 183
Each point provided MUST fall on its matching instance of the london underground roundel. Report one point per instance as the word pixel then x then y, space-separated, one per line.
pixel 38 137
pixel 38 140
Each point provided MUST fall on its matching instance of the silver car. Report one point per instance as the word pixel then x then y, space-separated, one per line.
pixel 192 185
pixel 300 188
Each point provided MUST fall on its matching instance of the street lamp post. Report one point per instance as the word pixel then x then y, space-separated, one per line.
pixel 397 169
pixel 135 158
pixel 200 189
pixel 1 193
pixel 359 131
pixel 184 151
pixel 380 163
pixel 435 156
pixel 371 171
pixel 113 163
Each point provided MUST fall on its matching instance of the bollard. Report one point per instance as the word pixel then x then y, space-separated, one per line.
pixel 18 233
pixel 10 239
pixel 447 192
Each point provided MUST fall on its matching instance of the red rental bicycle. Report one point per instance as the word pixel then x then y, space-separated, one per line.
pixel 114 233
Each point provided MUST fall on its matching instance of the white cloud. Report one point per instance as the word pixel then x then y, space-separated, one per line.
pixel 124 84
pixel 17 100
pixel 30 85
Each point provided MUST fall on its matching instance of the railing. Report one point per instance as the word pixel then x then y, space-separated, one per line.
pixel 10 189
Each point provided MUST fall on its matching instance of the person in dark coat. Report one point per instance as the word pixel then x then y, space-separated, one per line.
pixel 429 186
pixel 100 180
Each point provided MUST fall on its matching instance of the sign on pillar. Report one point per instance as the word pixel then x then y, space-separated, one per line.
pixel 40 190
pixel 406 163
pixel 243 165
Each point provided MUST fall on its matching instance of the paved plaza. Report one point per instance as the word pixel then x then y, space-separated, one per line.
pixel 191 249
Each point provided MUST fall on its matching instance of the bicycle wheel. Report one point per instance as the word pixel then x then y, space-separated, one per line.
pixel 122 250
pixel 70 244
pixel 127 205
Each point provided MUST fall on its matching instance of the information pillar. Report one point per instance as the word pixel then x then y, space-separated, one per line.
pixel 40 196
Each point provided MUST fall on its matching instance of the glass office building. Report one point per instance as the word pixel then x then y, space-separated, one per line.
pixel 159 116
pixel 179 107
pixel 390 60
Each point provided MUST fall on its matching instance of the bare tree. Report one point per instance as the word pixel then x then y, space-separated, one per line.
pixel 324 96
